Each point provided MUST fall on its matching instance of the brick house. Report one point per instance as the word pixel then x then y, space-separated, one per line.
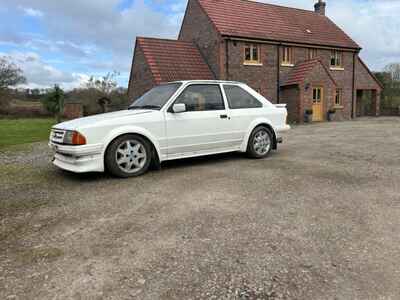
pixel 289 55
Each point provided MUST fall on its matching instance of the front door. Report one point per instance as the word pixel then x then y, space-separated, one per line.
pixel 203 127
pixel 318 100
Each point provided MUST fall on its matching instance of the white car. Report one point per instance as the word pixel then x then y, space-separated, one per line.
pixel 174 120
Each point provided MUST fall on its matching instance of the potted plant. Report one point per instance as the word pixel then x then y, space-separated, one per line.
pixel 308 115
pixel 331 114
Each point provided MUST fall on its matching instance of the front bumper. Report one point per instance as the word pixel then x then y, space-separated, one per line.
pixel 78 159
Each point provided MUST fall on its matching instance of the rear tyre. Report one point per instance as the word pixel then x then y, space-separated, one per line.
pixel 128 156
pixel 260 142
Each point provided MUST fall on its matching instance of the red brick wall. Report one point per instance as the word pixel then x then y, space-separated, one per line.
pixel 197 28
pixel 318 78
pixel 141 79
pixel 343 78
pixel 73 110
pixel 364 81
pixel 291 96
pixel 299 55
pixel 262 78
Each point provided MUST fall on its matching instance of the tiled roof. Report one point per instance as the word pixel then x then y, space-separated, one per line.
pixel 171 60
pixel 301 70
pixel 250 19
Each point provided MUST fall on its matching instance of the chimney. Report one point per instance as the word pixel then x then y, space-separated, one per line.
pixel 319 7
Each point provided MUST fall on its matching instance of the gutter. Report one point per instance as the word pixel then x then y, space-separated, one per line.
pixel 226 59
pixel 353 86
pixel 289 43
pixel 278 48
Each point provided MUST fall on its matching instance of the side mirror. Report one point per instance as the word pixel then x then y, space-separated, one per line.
pixel 179 108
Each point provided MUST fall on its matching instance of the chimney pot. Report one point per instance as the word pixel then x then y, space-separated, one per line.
pixel 320 7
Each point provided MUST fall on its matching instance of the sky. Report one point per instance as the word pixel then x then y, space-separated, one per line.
pixel 67 41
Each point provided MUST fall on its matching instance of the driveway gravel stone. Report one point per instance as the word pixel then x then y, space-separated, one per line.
pixel 318 219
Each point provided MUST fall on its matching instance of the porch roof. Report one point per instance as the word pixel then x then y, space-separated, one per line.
pixel 301 71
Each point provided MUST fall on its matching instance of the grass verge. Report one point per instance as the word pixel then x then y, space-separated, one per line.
pixel 24 131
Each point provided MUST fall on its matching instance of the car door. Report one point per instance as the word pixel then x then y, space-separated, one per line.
pixel 203 127
pixel 243 109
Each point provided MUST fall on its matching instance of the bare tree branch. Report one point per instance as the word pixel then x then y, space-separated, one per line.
pixel 10 74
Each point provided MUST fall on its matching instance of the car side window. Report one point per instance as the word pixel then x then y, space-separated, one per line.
pixel 239 98
pixel 201 97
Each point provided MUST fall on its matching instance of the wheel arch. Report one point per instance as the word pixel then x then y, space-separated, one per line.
pixel 136 131
pixel 255 124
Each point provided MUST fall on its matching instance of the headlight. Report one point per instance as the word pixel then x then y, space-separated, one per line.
pixel 74 138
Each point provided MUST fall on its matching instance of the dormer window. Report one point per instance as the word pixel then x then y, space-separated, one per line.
pixel 252 54
pixel 336 59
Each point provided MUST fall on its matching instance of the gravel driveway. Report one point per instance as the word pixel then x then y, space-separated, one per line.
pixel 319 219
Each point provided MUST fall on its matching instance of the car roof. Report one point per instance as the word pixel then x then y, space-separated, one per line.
pixel 207 81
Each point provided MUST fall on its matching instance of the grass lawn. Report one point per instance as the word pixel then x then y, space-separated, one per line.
pixel 23 131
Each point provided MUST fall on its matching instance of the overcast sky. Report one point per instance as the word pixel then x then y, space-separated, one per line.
pixel 66 41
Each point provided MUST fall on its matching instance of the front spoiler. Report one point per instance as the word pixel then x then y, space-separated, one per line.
pixel 78 159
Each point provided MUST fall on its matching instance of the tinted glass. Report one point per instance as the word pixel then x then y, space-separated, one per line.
pixel 247 55
pixel 202 97
pixel 156 97
pixel 255 53
pixel 239 98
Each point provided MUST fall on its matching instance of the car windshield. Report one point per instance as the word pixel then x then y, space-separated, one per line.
pixel 156 97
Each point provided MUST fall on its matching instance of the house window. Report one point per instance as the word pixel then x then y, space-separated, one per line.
pixel 252 54
pixel 336 59
pixel 338 97
pixel 287 56
pixel 312 53
pixel 317 95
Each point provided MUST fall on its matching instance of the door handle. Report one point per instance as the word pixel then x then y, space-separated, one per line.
pixel 223 116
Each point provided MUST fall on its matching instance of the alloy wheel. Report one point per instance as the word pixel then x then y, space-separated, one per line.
pixel 131 156
pixel 262 142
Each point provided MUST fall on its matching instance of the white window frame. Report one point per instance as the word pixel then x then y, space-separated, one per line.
pixel 337 58
pixel 287 56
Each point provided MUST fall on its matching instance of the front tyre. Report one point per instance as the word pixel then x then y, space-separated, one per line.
pixel 128 156
pixel 260 142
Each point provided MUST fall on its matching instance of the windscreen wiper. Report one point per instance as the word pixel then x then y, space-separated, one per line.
pixel 144 107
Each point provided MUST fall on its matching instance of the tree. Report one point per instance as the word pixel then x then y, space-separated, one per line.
pixel 394 70
pixel 390 79
pixel 10 75
pixel 53 101
pixel 95 91
pixel 105 84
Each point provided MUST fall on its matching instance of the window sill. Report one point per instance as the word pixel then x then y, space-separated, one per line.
pixel 337 69
pixel 287 65
pixel 339 107
pixel 252 64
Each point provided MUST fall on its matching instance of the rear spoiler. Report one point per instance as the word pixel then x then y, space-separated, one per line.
pixel 280 105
